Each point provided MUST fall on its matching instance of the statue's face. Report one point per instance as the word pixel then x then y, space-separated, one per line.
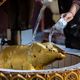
pixel 55 50
pixel 43 54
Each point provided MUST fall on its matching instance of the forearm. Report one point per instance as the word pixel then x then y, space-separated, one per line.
pixel 76 2
pixel 74 8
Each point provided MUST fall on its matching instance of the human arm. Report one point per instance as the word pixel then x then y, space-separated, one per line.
pixel 73 10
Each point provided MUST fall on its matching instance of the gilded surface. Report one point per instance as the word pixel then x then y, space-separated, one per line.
pixel 30 57
pixel 66 75
pixel 30 52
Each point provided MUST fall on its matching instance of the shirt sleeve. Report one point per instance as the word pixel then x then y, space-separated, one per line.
pixel 76 2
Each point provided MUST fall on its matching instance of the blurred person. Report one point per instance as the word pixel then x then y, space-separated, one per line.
pixel 72 30
pixel 73 10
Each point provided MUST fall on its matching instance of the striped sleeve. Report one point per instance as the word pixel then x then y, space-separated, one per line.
pixel 76 2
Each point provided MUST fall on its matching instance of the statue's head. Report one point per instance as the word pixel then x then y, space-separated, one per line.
pixel 45 53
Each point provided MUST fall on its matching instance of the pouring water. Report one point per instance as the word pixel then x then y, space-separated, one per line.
pixel 57 28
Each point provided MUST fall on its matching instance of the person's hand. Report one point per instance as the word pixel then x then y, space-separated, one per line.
pixel 68 16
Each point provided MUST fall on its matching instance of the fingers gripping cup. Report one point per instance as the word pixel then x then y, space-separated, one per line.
pixel 46 2
pixel 60 25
